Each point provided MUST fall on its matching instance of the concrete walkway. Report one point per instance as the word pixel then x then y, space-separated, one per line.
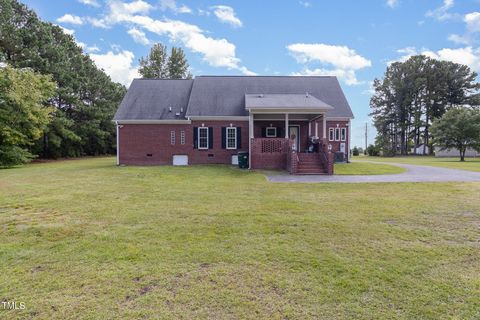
pixel 414 173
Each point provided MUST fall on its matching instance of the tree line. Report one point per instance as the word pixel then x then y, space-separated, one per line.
pixel 412 95
pixel 54 101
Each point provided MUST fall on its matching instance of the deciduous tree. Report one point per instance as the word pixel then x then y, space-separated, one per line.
pixel 24 112
pixel 458 128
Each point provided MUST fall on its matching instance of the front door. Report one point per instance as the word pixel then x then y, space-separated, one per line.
pixel 294 134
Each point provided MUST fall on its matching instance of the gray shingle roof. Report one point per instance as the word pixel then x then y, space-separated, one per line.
pixel 225 95
pixel 149 99
pixel 291 101
pixel 222 95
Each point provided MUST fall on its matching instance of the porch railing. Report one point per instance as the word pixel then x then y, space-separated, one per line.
pixel 269 145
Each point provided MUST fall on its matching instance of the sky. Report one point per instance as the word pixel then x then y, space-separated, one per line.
pixel 353 40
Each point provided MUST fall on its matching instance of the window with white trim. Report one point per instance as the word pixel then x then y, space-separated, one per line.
pixel 182 137
pixel 172 138
pixel 343 134
pixel 271 132
pixel 331 133
pixel 337 134
pixel 231 137
pixel 203 138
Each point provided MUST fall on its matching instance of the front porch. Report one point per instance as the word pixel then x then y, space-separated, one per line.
pixel 280 154
pixel 288 132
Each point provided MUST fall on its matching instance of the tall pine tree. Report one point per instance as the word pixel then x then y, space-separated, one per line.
pixel 159 65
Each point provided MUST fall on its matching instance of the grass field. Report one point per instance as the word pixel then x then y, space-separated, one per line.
pixel 470 164
pixel 366 168
pixel 85 239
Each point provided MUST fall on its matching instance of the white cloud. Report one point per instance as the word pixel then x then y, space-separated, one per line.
pixel 92 3
pixel 184 9
pixel 468 56
pixel 138 36
pixel 93 48
pixel 216 52
pixel 117 65
pixel 392 3
pixel 68 31
pixel 88 49
pixel 342 61
pixel 226 14
pixel 71 19
pixel 99 23
pixel 459 39
pixel 306 4
pixel 172 5
pixel 202 12
pixel 441 13
pixel 346 75
pixel 473 21
pixel 134 7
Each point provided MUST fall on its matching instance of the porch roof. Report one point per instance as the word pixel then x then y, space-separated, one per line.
pixel 285 101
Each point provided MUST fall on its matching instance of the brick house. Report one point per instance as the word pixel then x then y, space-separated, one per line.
pixel 297 124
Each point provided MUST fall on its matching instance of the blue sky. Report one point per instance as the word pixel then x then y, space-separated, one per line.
pixel 354 40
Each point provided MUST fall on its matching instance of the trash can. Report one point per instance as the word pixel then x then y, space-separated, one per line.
pixel 243 160
pixel 339 157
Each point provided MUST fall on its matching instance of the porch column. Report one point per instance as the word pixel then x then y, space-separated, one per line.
pixel 309 128
pixel 286 126
pixel 316 129
pixel 324 127
pixel 250 126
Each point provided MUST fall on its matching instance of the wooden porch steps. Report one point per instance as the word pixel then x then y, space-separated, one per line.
pixel 310 164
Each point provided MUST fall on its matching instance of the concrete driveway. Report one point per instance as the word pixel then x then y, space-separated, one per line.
pixel 414 173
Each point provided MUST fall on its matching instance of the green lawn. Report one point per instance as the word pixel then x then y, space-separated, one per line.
pixel 85 239
pixel 366 168
pixel 470 164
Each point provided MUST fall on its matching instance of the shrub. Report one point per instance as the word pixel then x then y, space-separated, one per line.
pixel 373 151
pixel 355 151
pixel 12 155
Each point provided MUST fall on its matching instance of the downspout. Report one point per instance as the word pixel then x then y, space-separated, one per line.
pixel 118 144
pixel 250 137
pixel 349 138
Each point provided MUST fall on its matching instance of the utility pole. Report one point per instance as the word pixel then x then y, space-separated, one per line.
pixel 366 136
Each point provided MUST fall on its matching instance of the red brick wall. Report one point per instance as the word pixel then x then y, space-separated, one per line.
pixel 137 141
pixel 336 144
pixel 269 160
